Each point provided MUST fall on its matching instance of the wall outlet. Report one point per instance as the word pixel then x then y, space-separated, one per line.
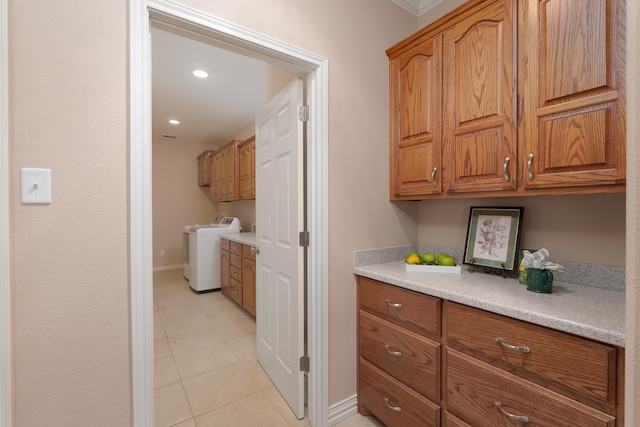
pixel 161 252
pixel 253 228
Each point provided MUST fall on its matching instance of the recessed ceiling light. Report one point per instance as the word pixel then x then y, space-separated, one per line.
pixel 174 122
pixel 201 74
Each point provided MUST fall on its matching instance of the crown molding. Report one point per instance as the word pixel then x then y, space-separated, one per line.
pixel 417 7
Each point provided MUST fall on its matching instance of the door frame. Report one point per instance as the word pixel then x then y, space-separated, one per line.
pixel 5 284
pixel 141 14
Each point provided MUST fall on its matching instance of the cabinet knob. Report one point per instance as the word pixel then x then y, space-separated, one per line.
pixel 254 250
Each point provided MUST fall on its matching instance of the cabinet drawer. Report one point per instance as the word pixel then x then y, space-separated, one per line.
pixel 563 362
pixel 236 274
pixel 224 244
pixel 451 421
pixel 246 252
pixel 235 247
pixel 236 260
pixel 405 355
pixel 235 291
pixel 475 389
pixel 412 310
pixel 392 402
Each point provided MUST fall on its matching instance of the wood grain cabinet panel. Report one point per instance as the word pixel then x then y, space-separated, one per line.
pixel 204 168
pixel 412 310
pixel 407 356
pixel 479 108
pixel 238 270
pixel 392 402
pixel 485 370
pixel 415 126
pixel 579 368
pixel 572 80
pixel 510 98
pixel 246 168
pixel 225 267
pixel 482 394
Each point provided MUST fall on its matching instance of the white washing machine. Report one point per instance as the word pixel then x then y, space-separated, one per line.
pixel 185 245
pixel 204 253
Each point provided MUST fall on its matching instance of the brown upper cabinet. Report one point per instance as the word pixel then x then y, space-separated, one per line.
pixel 573 93
pixel 247 172
pixel 204 168
pixel 229 171
pixel 510 98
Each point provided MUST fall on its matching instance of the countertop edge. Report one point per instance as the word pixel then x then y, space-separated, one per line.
pixel 589 312
pixel 247 238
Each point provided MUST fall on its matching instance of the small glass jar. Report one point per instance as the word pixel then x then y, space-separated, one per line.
pixel 522 275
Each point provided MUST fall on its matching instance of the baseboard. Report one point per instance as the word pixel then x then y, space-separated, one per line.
pixel 343 410
pixel 168 267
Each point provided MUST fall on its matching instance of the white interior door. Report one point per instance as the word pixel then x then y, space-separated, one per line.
pixel 280 261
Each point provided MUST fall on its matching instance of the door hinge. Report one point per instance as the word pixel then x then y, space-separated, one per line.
pixel 304 364
pixel 303 113
pixel 303 238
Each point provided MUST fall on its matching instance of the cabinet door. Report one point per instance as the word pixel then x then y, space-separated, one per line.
pixel 215 176
pixel 246 174
pixel 479 102
pixel 249 286
pixel 572 77
pixel 415 130
pixel 225 272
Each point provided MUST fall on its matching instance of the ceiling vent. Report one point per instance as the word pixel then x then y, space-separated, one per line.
pixel 169 136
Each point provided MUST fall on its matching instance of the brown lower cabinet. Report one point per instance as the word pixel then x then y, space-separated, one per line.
pixel 238 271
pixel 467 367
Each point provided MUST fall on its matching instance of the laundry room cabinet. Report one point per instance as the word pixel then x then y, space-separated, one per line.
pixel 204 168
pixel 238 270
pixel 246 169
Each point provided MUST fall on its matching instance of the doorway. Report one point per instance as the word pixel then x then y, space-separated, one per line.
pixel 142 14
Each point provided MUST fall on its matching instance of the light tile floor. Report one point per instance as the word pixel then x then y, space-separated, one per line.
pixel 205 368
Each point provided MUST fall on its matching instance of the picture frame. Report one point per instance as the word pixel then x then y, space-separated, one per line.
pixel 493 238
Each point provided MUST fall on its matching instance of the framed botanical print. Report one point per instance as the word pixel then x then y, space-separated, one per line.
pixel 493 237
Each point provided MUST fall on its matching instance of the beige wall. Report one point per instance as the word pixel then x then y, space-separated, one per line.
pixel 68 112
pixel 583 228
pixel 69 284
pixel 177 198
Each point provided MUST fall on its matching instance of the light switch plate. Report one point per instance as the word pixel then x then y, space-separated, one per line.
pixel 36 185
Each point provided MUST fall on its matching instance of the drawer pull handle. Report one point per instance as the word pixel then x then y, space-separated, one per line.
pixel 394 305
pixel 433 177
pixel 393 408
pixel 521 348
pixel 529 166
pixel 522 418
pixel 506 170
pixel 394 353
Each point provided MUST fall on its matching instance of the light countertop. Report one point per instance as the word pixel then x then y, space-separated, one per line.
pixel 247 238
pixel 587 311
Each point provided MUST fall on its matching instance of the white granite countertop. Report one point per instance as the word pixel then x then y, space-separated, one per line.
pixel 247 238
pixel 586 311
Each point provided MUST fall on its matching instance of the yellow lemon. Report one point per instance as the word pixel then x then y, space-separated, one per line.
pixel 413 259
